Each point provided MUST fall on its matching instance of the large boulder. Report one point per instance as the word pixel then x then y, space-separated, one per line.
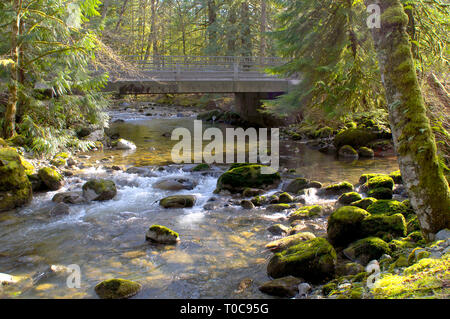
pixel 355 137
pixel 69 198
pixel 162 235
pixel 384 181
pixel 237 179
pixel 306 212
pixel 336 189
pixel 344 225
pixel 281 287
pixel 348 198
pixel 15 188
pixel 347 151
pixel 51 178
pixel 117 289
pixel 388 207
pixel 178 201
pixel 384 226
pixel 99 190
pixel 366 250
pixel 286 242
pixel 313 260
pixel 364 203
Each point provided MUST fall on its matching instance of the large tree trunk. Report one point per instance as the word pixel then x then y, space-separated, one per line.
pixel 231 36
pixel 212 33
pixel 9 125
pixel 413 138
pixel 246 41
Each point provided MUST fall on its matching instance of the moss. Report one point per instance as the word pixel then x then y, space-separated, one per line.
pixel 285 198
pixel 201 167
pixel 338 189
pixel 381 193
pixel 384 225
pixel 396 176
pixel 361 277
pixel 178 201
pixel 366 152
pixel 355 137
pixel 277 207
pixel 348 198
pixel 306 212
pixel 239 178
pixel 367 249
pixel 413 225
pixel 313 260
pixel 364 203
pixel 58 162
pixel 117 289
pixel 380 181
pixel 162 234
pixel 329 288
pixel 258 200
pixel 103 189
pixel 51 178
pixel 324 132
pixel 387 207
pixel 286 242
pixel 62 155
pixel 426 279
pixel 365 177
pixel 344 225
pixel 348 151
pixel 297 185
pixel 163 230
pixel 417 254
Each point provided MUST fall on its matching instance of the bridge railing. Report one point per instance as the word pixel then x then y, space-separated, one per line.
pixel 205 67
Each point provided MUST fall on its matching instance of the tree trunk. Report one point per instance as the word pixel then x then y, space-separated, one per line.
pixel 263 43
pixel 414 141
pixel 231 36
pixel 212 34
pixel 246 41
pixel 122 11
pixel 9 125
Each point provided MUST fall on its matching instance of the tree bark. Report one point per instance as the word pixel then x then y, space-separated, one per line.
pixel 231 36
pixel 9 125
pixel 263 25
pixel 212 34
pixel 414 141
pixel 246 41
pixel 122 11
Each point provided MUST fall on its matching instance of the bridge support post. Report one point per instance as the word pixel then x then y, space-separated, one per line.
pixel 247 105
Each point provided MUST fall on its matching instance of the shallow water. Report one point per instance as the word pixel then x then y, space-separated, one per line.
pixel 218 249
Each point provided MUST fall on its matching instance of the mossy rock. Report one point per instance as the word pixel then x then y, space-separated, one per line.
pixel 281 287
pixel 286 242
pixel 63 155
pixel 381 181
pixel 296 185
pixel 388 207
pixel 380 193
pixel 277 207
pixel 337 189
pixel 58 162
pixel 15 188
pixel 259 200
pixel 364 178
pixel 417 254
pixel 238 179
pixel 306 212
pixel 348 269
pixel 315 184
pixel 366 152
pixel 51 178
pixel 413 225
pixel 37 185
pixel 313 260
pixel 324 132
pixel 367 249
pixel 3 143
pixel 247 204
pixel 117 289
pixel 355 137
pixel 347 151
pixel 278 230
pixel 178 201
pixel 364 203
pixel 384 226
pixel 201 167
pixel 348 198
pixel 397 177
pixel 344 225
pixel 99 190
pixel 29 168
pixel 162 235
pixel 250 192
pixel 285 198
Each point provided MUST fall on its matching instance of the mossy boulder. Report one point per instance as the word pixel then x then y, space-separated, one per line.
pixel 15 188
pixel 366 152
pixel 344 225
pixel 178 201
pixel 384 226
pixel 277 207
pixel 201 167
pixel 349 269
pixel 296 185
pixel 117 289
pixel 306 212
pixel 337 189
pixel 51 178
pixel 237 179
pixel 99 190
pixel 355 137
pixel 58 162
pixel 367 249
pixel 162 235
pixel 364 203
pixel 313 260
pixel 397 177
pixel 380 181
pixel 365 177
pixel 281 287
pixel 347 151
pixel 348 198
pixel 247 204
pixel 388 207
pixel 286 242
pixel 278 230
pixel 380 193
pixel 251 192
pixel 259 200
pixel 285 198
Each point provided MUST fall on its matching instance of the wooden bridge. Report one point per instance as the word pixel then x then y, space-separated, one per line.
pixel 249 78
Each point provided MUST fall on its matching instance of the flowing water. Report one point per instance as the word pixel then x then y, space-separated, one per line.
pixel 220 246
